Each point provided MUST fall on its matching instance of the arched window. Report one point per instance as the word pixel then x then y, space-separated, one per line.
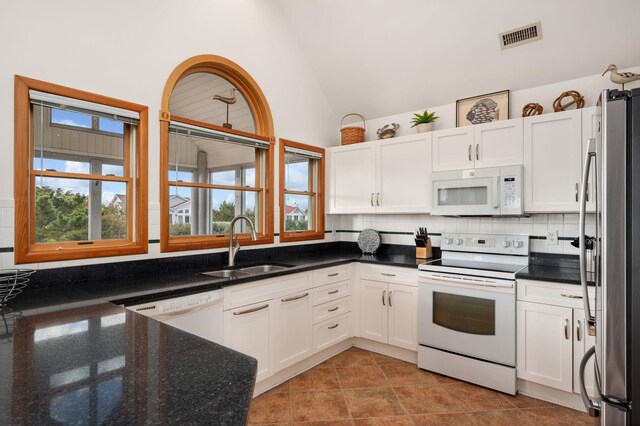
pixel 216 158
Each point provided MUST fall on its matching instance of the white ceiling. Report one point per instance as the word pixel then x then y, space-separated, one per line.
pixel 380 57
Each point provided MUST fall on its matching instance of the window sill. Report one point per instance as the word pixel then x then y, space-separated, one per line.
pixel 39 254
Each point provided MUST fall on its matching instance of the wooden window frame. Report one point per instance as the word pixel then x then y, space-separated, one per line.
pixel 26 249
pixel 259 107
pixel 317 194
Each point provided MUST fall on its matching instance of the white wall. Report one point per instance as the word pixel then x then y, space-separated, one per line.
pixel 590 87
pixel 127 49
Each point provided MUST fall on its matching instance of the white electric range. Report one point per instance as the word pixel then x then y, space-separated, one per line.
pixel 467 309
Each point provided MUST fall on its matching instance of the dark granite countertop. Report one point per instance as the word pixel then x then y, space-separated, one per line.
pixel 73 357
pixel 80 360
pixel 555 268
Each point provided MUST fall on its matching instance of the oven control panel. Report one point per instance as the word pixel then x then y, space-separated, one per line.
pixel 486 243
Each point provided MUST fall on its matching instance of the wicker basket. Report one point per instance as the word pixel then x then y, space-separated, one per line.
pixel 352 134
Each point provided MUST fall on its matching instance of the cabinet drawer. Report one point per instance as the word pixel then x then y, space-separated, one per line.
pixel 391 275
pixel 330 275
pixel 330 332
pixel 551 293
pixel 331 309
pixel 330 292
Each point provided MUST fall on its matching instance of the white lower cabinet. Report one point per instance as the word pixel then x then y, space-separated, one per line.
pixel 292 337
pixel 247 330
pixel 551 336
pixel 388 312
pixel 282 321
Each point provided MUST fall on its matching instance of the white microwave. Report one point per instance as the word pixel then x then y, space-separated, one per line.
pixel 491 191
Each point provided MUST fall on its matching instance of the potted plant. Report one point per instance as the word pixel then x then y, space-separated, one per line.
pixel 424 122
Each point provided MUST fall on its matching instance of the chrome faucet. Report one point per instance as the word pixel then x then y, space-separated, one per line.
pixel 233 249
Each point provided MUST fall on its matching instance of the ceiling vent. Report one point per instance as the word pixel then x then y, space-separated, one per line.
pixel 521 35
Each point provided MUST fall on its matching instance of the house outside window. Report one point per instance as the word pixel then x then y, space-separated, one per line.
pixel 301 191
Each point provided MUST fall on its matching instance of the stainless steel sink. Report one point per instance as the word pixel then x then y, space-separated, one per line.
pixel 261 269
pixel 247 271
pixel 227 273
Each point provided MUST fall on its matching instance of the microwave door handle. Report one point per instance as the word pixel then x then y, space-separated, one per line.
pixel 589 156
pixel 496 186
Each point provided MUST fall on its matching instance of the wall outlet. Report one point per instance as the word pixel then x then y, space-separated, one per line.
pixel 552 238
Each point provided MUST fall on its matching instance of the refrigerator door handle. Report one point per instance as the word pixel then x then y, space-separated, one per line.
pixel 592 408
pixel 589 156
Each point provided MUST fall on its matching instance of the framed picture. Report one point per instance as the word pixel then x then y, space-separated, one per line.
pixel 482 109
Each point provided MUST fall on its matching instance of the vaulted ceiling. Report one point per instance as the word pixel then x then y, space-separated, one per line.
pixel 383 57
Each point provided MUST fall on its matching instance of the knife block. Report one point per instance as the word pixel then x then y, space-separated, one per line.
pixel 425 252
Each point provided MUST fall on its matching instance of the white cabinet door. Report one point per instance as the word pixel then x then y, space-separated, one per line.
pixel 544 345
pixel 498 144
pixel 552 158
pixel 247 330
pixel 351 179
pixel 590 129
pixel 581 342
pixel 292 329
pixel 453 148
pixel 403 316
pixel 403 175
pixel 373 312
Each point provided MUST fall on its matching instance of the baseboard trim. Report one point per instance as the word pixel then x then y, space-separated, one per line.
pixel 555 396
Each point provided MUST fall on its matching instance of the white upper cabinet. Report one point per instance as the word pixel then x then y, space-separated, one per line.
pixel 498 144
pixel 404 172
pixel 351 179
pixel 452 148
pixel 590 130
pixel 483 145
pixel 386 176
pixel 552 159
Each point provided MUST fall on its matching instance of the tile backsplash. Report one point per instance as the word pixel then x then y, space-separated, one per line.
pixel 399 229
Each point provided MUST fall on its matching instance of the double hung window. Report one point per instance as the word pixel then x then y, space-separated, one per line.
pixel 301 191
pixel 80 174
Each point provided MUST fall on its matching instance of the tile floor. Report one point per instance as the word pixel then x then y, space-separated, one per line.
pixel 358 387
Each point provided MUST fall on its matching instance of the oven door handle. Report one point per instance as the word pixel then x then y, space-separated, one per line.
pixel 470 281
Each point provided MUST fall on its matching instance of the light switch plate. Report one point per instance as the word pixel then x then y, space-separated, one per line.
pixel 552 238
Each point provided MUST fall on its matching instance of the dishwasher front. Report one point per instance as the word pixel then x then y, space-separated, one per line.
pixel 199 314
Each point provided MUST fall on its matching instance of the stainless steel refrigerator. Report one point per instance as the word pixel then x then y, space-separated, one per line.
pixel 612 167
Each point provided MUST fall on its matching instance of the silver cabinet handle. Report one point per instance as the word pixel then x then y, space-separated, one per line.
pixel 333 326
pixel 372 199
pixel 579 330
pixel 256 309
pixel 478 152
pixel 291 299
pixel 333 292
pixel 469 152
pixel 577 190
pixel 333 309
pixel 378 199
pixel 383 293
pixel 390 305
pixel 566 329
pixel 570 296
pixel 335 274
pixel 387 274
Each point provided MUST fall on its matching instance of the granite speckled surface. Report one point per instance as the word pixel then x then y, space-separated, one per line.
pixel 72 359
pixel 555 268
